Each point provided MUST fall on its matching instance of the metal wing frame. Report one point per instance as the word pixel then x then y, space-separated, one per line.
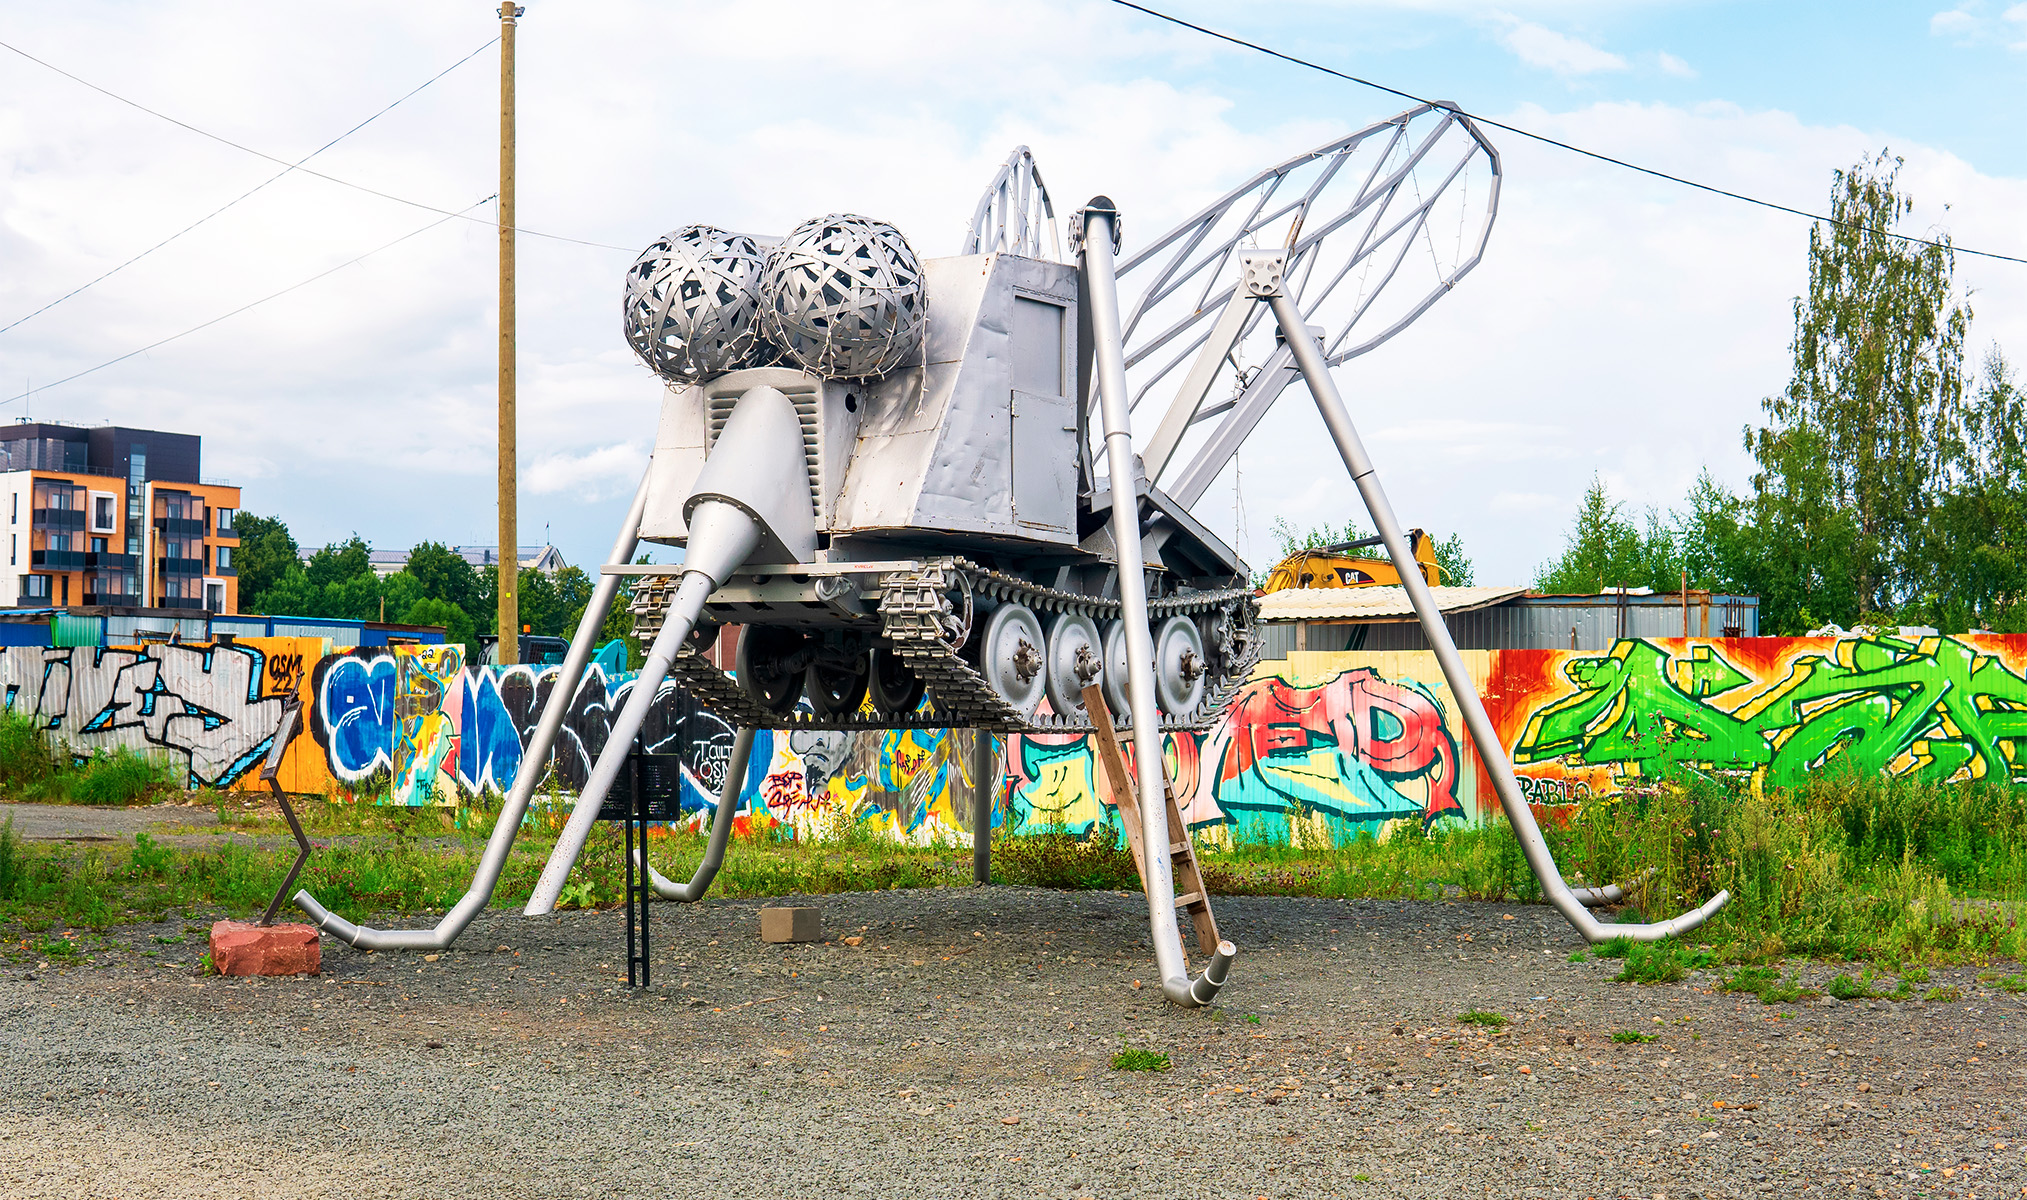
pixel 1355 215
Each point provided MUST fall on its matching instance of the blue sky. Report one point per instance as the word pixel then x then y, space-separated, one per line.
pixel 1619 326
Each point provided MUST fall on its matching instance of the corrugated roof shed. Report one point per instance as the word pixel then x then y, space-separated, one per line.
pixel 1373 603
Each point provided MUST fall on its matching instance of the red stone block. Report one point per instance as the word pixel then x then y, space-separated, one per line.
pixel 242 948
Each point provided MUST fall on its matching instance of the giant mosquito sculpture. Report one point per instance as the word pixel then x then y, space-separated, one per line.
pixel 885 470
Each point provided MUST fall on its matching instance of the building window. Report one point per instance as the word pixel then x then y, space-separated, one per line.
pixel 59 541
pixel 35 587
pixel 224 558
pixel 14 513
pixel 225 517
pixel 214 595
pixel 13 547
pixel 104 511
pixel 98 545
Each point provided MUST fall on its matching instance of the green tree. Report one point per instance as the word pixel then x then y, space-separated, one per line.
pixel 1457 570
pixel 1869 435
pixel 1978 576
pixel 444 574
pixel 1603 549
pixel 457 624
pixel 1712 538
pixel 339 562
pixel 265 554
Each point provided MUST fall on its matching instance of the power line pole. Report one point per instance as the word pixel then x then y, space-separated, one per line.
pixel 509 568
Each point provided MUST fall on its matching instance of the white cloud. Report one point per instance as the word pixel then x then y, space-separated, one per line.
pixel 1671 65
pixel 593 475
pixel 1539 46
pixel 1953 23
pixel 1618 324
pixel 1966 24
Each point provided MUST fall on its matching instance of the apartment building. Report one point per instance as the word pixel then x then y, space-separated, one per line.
pixel 113 516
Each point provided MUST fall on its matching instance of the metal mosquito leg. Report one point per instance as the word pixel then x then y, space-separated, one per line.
pixel 1264 271
pixel 534 764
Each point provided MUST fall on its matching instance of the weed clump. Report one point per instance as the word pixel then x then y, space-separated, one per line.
pixel 1490 1020
pixel 1132 1059
pixel 1664 961
pixel 1631 1036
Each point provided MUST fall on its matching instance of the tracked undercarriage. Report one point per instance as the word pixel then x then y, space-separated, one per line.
pixel 986 646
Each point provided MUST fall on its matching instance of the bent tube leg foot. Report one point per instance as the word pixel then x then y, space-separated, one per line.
pixel 721 830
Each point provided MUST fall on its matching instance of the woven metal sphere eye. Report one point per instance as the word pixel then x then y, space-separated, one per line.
pixel 691 303
pixel 842 297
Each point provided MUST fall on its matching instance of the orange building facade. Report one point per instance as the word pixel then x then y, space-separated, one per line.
pixel 111 516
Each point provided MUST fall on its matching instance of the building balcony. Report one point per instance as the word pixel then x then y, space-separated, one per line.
pixel 225 572
pixel 180 566
pixel 59 520
pixel 100 560
pixel 114 599
pixel 179 527
pixel 178 602
pixel 57 560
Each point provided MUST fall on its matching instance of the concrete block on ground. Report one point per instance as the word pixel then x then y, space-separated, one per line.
pixel 243 948
pixel 782 924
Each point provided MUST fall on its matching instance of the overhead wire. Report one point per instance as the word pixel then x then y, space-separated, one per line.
pixel 1713 189
pixel 83 287
pixel 445 219
pixel 358 187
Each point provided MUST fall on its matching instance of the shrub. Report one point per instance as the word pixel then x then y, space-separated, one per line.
pixel 1491 1020
pixel 121 777
pixel 1631 1036
pixel 1057 859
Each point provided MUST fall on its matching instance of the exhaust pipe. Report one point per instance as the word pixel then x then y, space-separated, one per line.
pixel 752 495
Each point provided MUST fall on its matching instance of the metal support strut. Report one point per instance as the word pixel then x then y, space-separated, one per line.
pixel 1098 232
pixel 534 764
pixel 1263 280
pixel 721 830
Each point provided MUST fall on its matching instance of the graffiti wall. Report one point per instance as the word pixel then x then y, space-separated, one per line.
pixel 1771 710
pixel 1320 744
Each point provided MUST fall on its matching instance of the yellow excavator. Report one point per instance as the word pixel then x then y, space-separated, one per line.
pixel 1336 566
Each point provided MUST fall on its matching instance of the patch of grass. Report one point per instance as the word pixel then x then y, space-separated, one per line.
pixel 1252 1018
pixel 1133 1059
pixel 1631 1036
pixel 1478 1016
pixel 149 856
pixel 2015 983
pixel 1751 979
pixel 1949 993
pixel 1579 956
pixel 1844 987
pixel 1618 947
pixel 33 767
pixel 1664 961
pixel 1768 984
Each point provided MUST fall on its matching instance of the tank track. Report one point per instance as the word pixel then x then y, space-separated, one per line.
pixel 921 621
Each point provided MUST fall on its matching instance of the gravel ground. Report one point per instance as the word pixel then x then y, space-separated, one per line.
pixel 961 1047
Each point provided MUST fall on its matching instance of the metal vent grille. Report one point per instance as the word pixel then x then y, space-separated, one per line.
pixel 808 401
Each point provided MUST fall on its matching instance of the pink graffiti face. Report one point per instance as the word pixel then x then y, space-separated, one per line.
pixel 1396 729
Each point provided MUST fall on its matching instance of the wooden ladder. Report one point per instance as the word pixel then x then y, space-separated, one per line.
pixel 1191 895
